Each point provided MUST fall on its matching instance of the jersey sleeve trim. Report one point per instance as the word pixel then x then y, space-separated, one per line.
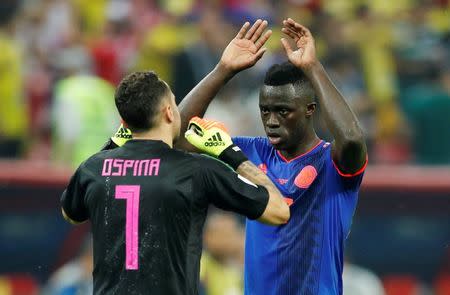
pixel 363 168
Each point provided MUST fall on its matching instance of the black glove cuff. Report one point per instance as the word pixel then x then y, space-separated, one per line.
pixel 233 156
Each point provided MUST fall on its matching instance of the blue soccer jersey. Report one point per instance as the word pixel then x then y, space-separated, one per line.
pixel 305 256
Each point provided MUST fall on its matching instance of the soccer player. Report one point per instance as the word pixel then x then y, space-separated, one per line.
pixel 147 202
pixel 320 180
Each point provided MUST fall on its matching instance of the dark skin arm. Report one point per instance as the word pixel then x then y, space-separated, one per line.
pixel 241 53
pixel 349 149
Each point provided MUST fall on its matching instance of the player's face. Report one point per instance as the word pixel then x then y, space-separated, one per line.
pixel 284 116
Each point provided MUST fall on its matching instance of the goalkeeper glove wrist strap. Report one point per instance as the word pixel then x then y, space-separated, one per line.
pixel 233 156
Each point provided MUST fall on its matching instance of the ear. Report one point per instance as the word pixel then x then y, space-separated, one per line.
pixel 168 110
pixel 123 123
pixel 310 108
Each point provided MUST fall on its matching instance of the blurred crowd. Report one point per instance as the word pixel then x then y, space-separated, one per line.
pixel 389 58
pixel 60 61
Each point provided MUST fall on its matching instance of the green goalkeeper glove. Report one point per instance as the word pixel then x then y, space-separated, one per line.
pixel 121 136
pixel 211 137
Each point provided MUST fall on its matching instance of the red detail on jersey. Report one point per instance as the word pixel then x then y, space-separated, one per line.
pixel 288 201
pixel 263 167
pixel 306 177
pixel 282 181
pixel 351 174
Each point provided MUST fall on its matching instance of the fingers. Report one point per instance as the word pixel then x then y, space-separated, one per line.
pixel 242 31
pixel 206 124
pixel 290 33
pixel 287 46
pixel 263 39
pixel 259 31
pixel 260 53
pixel 253 29
pixel 296 27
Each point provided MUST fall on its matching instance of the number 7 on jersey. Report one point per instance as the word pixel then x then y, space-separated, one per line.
pixel 131 194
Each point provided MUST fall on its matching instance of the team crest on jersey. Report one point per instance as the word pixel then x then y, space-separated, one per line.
pixel 306 177
pixel 282 181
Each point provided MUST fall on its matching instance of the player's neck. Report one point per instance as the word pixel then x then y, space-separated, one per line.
pixel 155 134
pixel 306 145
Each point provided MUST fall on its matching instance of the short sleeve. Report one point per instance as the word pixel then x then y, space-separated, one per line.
pixel 229 191
pixel 351 182
pixel 72 199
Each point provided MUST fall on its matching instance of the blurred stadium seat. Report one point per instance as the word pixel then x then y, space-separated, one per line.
pixel 442 285
pixel 18 284
pixel 401 285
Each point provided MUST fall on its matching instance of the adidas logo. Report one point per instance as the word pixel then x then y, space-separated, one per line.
pixel 215 140
pixel 123 133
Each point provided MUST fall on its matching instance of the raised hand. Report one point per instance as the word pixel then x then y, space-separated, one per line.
pixel 247 47
pixel 304 56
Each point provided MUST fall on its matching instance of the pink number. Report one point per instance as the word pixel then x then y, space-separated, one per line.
pixel 131 194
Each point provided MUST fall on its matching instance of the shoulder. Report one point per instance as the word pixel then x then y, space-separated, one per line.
pixel 246 143
pixel 208 162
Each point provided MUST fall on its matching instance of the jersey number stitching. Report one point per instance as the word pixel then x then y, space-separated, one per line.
pixel 131 194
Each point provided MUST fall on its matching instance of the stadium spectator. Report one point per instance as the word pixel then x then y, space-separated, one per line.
pixel 360 281
pixel 221 267
pixel 13 110
pixel 427 105
pixel 82 117
pixel 74 277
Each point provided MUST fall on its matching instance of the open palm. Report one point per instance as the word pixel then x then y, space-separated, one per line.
pixel 247 47
pixel 305 55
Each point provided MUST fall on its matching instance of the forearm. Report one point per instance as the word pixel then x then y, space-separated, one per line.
pixel 248 170
pixel 277 211
pixel 349 149
pixel 198 99
pixel 338 116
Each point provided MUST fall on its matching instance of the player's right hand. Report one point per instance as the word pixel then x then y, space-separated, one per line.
pixel 247 47
pixel 122 135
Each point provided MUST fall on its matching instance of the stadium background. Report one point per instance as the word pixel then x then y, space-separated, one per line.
pixel 390 59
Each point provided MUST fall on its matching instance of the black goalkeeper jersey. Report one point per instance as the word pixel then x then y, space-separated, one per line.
pixel 147 204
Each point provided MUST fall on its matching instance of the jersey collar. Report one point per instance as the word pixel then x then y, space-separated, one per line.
pixel 299 156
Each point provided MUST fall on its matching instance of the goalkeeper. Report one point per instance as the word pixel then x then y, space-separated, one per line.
pixel 147 202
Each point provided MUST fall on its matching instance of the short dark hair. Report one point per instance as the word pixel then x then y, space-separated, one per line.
pixel 138 97
pixel 288 73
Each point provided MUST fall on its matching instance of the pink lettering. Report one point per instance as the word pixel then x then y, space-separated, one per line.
pixel 142 163
pixel 107 167
pixel 120 167
pixel 130 193
pixel 136 166
pixel 117 163
pixel 127 164
pixel 154 167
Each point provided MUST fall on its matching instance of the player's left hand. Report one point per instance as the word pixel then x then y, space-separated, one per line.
pixel 208 136
pixel 304 56
pixel 212 137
